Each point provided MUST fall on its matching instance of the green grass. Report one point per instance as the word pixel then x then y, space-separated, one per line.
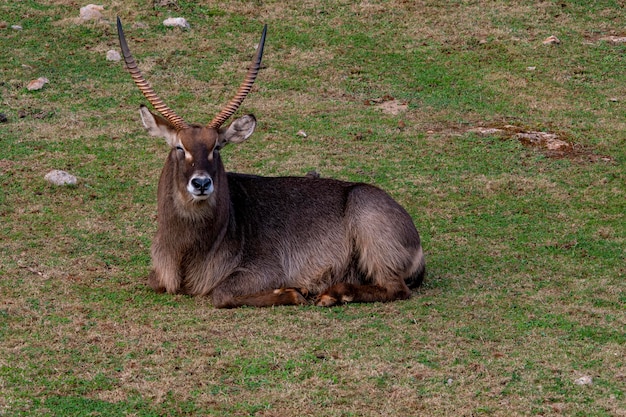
pixel 525 248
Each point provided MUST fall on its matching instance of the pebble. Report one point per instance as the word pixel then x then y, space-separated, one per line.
pixel 58 177
pixel 584 380
pixel 16 27
pixel 3 118
pixel 177 21
pixel 113 55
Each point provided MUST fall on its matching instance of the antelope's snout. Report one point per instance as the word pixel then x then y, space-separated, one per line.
pixel 200 186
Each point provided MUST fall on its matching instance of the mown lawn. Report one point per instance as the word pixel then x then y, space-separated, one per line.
pixel 525 245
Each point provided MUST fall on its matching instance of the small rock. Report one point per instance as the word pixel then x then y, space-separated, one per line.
pixel 584 380
pixel 312 174
pixel 58 177
pixel 91 12
pixel 3 25
pixel 302 133
pixel 176 21
pixel 16 27
pixel 550 141
pixel 551 40
pixel 3 118
pixel 37 84
pixel 450 381
pixel 614 100
pixel 113 55
pixel 531 68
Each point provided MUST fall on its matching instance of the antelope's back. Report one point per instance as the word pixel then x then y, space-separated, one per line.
pixel 293 205
pixel 295 210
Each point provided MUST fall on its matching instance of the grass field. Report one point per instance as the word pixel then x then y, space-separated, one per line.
pixel 525 246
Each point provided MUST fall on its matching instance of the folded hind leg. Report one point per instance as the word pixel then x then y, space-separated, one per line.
pixel 357 293
pixel 387 250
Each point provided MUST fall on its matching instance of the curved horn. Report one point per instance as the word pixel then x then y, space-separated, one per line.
pixel 245 87
pixel 144 86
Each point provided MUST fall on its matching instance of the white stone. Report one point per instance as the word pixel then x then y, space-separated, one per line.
pixel 302 133
pixel 584 380
pixel 551 40
pixel 16 27
pixel 91 12
pixel 113 55
pixel 37 84
pixel 176 21
pixel 58 177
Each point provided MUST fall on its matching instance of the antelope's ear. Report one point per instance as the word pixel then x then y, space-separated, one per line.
pixel 238 131
pixel 158 126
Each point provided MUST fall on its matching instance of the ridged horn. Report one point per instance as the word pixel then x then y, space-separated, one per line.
pixel 245 87
pixel 144 86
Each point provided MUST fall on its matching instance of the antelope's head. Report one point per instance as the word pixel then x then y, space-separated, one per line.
pixel 194 148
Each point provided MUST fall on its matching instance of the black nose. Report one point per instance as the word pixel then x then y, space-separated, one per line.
pixel 201 183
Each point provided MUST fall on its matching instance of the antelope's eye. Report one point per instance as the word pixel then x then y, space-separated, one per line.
pixel 180 148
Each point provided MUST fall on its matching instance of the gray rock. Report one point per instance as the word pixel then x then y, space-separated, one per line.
pixel 177 21
pixel 58 177
pixel 113 55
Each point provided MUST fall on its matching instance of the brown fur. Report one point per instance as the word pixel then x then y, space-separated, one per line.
pixel 262 241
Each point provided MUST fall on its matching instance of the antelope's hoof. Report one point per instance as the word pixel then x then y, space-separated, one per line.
pixel 298 298
pixel 326 300
pixel 291 296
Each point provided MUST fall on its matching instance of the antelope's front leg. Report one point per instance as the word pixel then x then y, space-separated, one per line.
pixel 165 277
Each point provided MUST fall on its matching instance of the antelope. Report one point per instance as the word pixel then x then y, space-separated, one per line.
pixel 247 240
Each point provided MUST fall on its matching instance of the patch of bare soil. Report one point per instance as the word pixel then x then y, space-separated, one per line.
pixel 553 145
pixel 388 104
pixel 614 38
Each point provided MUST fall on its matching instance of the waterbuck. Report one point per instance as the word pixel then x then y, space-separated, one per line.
pixel 258 241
